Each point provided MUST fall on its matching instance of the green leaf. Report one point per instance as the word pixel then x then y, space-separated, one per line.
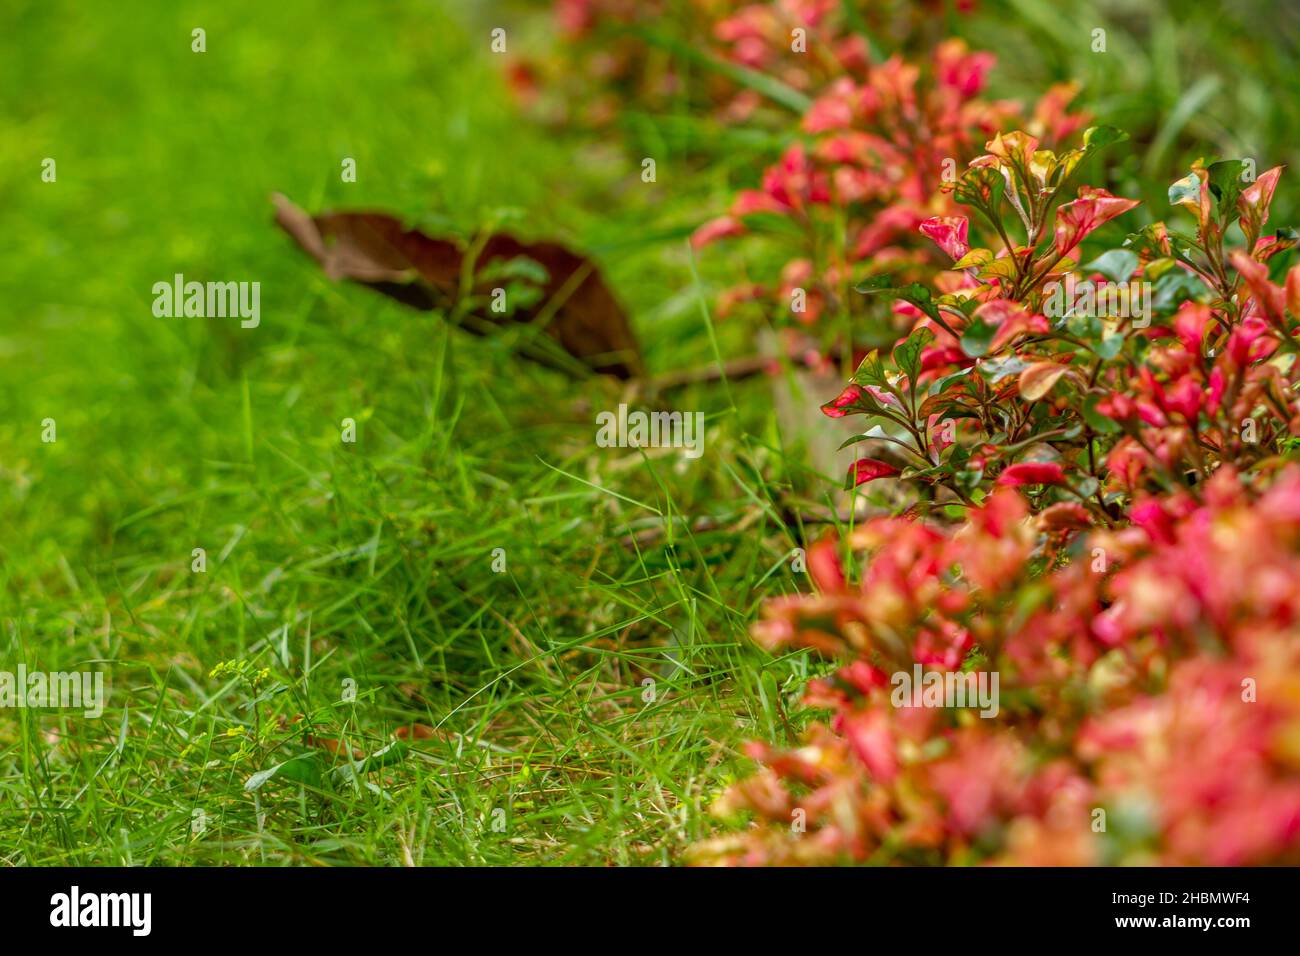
pixel 1094 139
pixel 1225 186
pixel 1185 190
pixel 1109 347
pixel 981 187
pixel 996 369
pixel 977 338
pixel 907 354
pixel 940 386
pixel 1087 486
pixel 1174 288
pixel 915 294
pixel 1004 267
pixel 1158 267
pixel 259 778
pixel 871 371
pixel 874 433
pixel 1117 265
pixel 1086 327
pixel 965 305
pixel 305 768
pixel 976 257
pixel 1098 137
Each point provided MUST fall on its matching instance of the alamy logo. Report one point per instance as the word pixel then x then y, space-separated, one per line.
pixel 67 690
pixel 651 430
pixel 218 300
pixel 103 909
pixel 1103 300
pixel 948 689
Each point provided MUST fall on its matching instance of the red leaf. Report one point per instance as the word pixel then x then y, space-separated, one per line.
pixel 1033 473
pixel 869 469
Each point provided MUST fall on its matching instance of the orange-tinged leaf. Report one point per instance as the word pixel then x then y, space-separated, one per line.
pixel 1037 380
pixel 419 732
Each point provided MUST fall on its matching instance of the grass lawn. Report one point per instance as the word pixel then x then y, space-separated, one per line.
pixel 327 562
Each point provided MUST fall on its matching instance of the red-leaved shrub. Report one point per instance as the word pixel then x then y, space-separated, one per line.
pixel 1125 573
pixel 846 200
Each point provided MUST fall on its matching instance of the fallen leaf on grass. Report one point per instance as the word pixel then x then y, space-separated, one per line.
pixel 557 291
pixel 419 732
pixel 333 746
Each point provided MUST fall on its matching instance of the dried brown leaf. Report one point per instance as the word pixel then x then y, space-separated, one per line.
pixel 576 308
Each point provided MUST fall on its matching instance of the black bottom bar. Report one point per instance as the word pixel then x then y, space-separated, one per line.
pixel 338 906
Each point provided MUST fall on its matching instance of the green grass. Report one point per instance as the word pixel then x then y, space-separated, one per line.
pixel 329 562
pixel 334 565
